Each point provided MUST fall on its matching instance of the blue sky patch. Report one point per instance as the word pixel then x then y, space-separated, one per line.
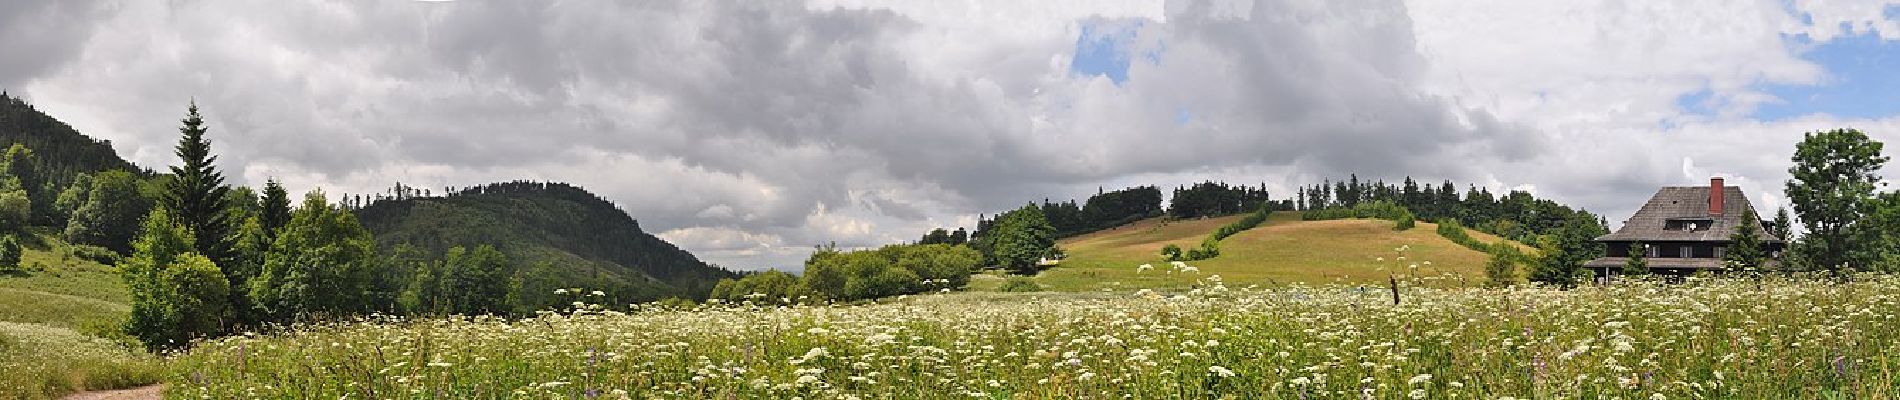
pixel 1103 49
pixel 1861 80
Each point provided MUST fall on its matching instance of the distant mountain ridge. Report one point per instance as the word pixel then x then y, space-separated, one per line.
pixel 583 237
pixel 62 151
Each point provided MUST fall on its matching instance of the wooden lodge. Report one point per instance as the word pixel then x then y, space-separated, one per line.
pixel 1685 230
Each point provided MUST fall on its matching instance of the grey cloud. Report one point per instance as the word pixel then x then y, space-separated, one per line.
pixel 42 35
pixel 767 108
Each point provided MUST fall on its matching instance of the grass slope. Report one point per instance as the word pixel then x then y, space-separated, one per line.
pixel 1281 251
pixel 59 328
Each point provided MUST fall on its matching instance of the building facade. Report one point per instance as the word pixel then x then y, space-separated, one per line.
pixel 1684 229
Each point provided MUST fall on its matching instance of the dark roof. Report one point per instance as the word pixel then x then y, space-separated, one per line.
pixel 1686 202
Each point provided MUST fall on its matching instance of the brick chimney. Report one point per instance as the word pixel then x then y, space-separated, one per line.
pixel 1715 196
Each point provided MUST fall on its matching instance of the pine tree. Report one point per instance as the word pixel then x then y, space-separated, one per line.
pixel 1783 228
pixel 276 208
pixel 198 193
pixel 1638 262
pixel 1744 249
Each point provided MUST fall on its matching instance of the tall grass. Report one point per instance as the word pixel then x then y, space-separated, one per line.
pixel 40 362
pixel 1703 339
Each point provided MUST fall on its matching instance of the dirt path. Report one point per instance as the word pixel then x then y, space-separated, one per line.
pixel 153 392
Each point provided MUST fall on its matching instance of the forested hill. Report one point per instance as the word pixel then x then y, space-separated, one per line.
pixel 583 240
pixel 61 151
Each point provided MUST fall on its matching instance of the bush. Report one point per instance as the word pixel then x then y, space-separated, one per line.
pixel 96 254
pixel 1501 270
pixel 1210 247
pixel 1405 221
pixel 10 253
pixel 1171 252
pixel 1020 284
pixel 887 271
pixel 15 208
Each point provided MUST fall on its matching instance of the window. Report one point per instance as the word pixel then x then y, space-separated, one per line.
pixel 1695 225
pixel 1687 251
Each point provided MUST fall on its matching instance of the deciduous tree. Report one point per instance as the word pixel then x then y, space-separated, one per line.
pixel 1832 180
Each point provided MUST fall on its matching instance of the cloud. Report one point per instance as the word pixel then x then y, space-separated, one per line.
pixel 750 131
pixel 42 35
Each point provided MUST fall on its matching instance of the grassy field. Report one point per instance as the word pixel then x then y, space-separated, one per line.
pixel 1642 340
pixel 1282 251
pixel 59 329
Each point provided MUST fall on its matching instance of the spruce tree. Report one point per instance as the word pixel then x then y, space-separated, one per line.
pixel 1638 262
pixel 198 194
pixel 276 208
pixel 1744 249
pixel 1783 228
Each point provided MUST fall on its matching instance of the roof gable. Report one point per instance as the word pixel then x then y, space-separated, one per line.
pixel 1686 203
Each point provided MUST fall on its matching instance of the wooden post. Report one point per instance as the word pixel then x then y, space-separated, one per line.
pixel 1395 289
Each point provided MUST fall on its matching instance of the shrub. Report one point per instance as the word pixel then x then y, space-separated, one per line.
pixel 1210 247
pixel 1385 210
pixel 15 208
pixel 96 254
pixel 10 253
pixel 1171 252
pixel 1020 284
pixel 1501 269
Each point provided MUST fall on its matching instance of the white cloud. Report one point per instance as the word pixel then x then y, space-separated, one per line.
pixel 748 132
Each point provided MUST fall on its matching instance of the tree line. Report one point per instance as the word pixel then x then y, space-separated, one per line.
pixel 203 257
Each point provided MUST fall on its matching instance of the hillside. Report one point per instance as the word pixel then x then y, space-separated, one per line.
pixel 1282 251
pixel 62 151
pixel 59 327
pixel 584 240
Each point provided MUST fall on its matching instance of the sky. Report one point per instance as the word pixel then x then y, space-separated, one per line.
pixel 748 132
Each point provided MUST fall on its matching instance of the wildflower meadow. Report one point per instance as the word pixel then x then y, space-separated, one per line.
pixel 1704 338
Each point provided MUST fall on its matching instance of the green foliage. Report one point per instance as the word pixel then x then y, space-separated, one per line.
pixel 109 216
pixel 1832 184
pixel 1020 284
pixel 1172 252
pixel 1501 269
pixel 1211 199
pixel 1381 209
pixel 62 152
pixel 1745 245
pixel 1209 248
pixel 1451 230
pixel 463 282
pixel 197 192
pixel 887 271
pixel 769 287
pixel 21 168
pixel 1882 234
pixel 1564 251
pixel 1020 239
pixel 275 212
pixel 249 249
pixel 1782 228
pixel 177 294
pixel 1638 261
pixel 72 197
pixel 585 240
pixel 322 264
pixel 10 252
pixel 15 211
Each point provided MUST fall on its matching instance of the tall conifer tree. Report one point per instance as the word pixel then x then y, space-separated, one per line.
pixel 276 208
pixel 198 192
